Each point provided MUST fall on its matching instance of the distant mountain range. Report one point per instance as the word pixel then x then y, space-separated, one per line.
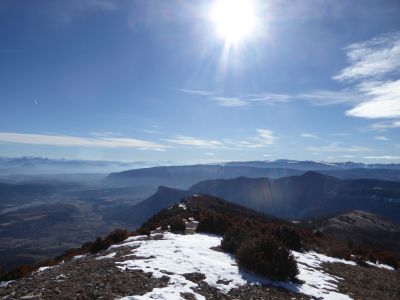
pixel 40 165
pixel 309 195
pixel 185 176
pixel 309 165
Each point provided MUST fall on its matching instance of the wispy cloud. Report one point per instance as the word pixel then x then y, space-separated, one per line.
pixel 230 101
pixel 268 98
pixel 337 147
pixel 198 92
pixel 103 141
pixel 373 74
pixel 377 57
pixel 194 142
pixel 262 138
pixel 238 101
pixel 209 153
pixel 382 138
pixel 329 97
pixel 382 100
pixel 385 124
pixel 265 137
pixel 309 136
pixel 384 157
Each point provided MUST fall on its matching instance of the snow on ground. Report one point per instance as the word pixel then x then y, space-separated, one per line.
pixel 41 269
pixel 382 266
pixel 182 205
pixel 79 256
pixel 317 283
pixel 5 283
pixel 111 255
pixel 180 254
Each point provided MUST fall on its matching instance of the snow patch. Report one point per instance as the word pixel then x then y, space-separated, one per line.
pixel 111 255
pixel 181 254
pixel 41 269
pixel 6 283
pixel 378 265
pixel 182 205
pixel 317 283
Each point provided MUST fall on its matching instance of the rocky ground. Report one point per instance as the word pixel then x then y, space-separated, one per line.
pixel 98 277
pixel 89 277
pixel 366 283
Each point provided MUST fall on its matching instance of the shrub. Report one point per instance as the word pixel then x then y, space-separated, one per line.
pixel 267 257
pixel 18 272
pixel 233 238
pixel 340 251
pixel 164 227
pixel 289 237
pixel 99 244
pixel 390 260
pixel 118 236
pixel 177 225
pixel 215 224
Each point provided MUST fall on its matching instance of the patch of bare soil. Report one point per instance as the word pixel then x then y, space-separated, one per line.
pixel 366 283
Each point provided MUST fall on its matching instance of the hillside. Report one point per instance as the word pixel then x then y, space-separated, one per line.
pixel 172 265
pixel 361 229
pixel 310 195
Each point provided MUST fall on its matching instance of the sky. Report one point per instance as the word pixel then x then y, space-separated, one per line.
pixel 200 81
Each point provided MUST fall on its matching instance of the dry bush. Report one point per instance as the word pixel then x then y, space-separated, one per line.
pixel 18 272
pixel 177 225
pixel 289 236
pixel 233 238
pixel 118 236
pixel 214 223
pixel 267 257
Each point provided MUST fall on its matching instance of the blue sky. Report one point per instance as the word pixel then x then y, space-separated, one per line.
pixel 153 80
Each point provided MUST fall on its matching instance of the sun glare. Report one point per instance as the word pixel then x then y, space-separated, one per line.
pixel 235 20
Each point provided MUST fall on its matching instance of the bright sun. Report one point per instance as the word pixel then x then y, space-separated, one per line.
pixel 235 20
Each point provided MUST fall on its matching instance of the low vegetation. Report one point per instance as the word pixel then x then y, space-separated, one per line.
pixel 261 245
pixel 267 257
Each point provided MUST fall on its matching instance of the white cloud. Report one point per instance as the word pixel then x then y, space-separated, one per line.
pixel 268 98
pixel 385 157
pixel 74 141
pixel 382 100
pixel 382 138
pixel 373 73
pixel 373 88
pixel 374 58
pixel 197 92
pixel 329 97
pixel 265 137
pixel 194 142
pixel 230 101
pixel 209 153
pixel 336 147
pixel 385 124
pixel 309 136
